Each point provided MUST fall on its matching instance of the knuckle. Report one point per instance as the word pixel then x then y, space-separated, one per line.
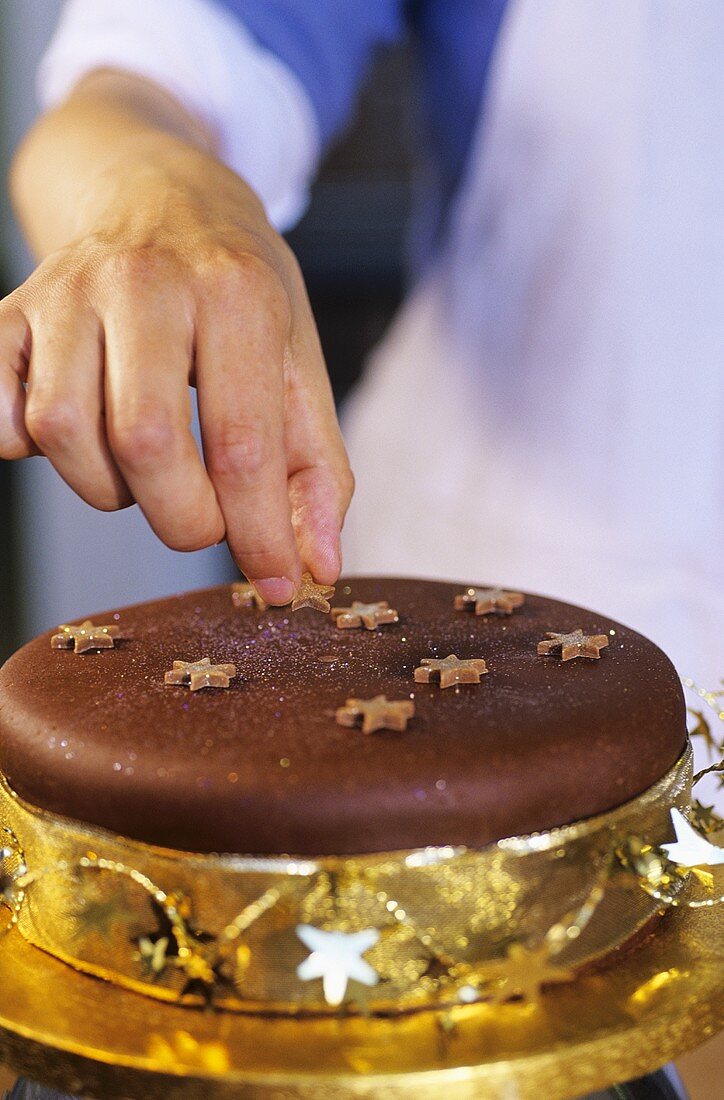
pixel 142 440
pixel 54 424
pixel 246 277
pixel 136 266
pixel 238 453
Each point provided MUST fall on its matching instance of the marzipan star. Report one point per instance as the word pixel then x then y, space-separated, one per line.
pixel 200 674
pixel 450 671
pixel 573 644
pixel 244 594
pixel 86 636
pixel 379 713
pixel 310 594
pixel 488 601
pixel 370 615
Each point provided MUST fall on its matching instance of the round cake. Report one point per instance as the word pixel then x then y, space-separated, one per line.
pixel 265 767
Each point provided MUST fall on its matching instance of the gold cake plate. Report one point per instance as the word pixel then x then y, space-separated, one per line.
pixel 651 1004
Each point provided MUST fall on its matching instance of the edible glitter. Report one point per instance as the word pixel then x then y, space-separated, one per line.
pixel 117 767
pixel 232 777
pixel 441 784
pixel 285 761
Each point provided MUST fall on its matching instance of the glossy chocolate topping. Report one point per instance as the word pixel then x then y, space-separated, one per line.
pixel 263 767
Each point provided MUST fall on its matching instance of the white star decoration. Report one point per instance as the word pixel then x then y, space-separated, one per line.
pixel 690 848
pixel 336 957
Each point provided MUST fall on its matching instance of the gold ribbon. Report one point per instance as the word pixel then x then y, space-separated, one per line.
pixel 189 927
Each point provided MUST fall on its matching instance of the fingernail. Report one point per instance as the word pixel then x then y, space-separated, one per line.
pixel 277 590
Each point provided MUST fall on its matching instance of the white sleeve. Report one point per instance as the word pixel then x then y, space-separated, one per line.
pixel 254 104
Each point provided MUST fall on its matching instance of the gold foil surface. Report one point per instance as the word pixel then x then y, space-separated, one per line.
pixel 444 914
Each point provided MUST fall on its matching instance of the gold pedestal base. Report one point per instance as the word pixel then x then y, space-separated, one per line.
pixel 89 1037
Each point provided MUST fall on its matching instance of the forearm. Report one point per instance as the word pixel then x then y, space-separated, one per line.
pixel 118 146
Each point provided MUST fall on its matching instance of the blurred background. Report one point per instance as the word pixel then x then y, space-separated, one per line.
pixel 58 557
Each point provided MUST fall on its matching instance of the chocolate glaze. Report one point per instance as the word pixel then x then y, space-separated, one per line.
pixel 264 768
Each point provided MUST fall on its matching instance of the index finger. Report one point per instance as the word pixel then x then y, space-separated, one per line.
pixel 239 376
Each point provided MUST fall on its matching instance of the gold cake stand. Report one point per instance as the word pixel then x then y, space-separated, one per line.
pixel 86 1036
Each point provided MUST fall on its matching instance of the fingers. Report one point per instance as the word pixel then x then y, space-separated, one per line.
pixel 65 408
pixel 241 337
pixel 14 351
pixel 148 361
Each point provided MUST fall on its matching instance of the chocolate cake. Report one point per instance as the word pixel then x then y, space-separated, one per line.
pixel 264 767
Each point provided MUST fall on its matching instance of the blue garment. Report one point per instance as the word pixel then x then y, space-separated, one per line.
pixel 328 44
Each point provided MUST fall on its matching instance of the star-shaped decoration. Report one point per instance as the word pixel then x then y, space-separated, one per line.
pixel 691 849
pixel 450 671
pixel 703 729
pixel 86 636
pixel 488 601
pixel 369 615
pixel 243 594
pixel 523 973
pixel 200 674
pixel 705 817
pixel 310 594
pixel 99 907
pixel 379 713
pixel 177 943
pixel 573 644
pixel 336 957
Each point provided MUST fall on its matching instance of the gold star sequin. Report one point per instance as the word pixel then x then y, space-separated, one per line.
pixel 703 730
pixel 573 644
pixel 196 966
pixel 705 817
pixel 86 636
pixel 200 674
pixel 243 594
pixel 310 594
pixel 450 671
pixel 379 713
pixel 523 973
pixel 369 615
pixel 488 601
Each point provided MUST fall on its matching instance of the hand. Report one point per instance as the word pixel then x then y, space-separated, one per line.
pixel 178 280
